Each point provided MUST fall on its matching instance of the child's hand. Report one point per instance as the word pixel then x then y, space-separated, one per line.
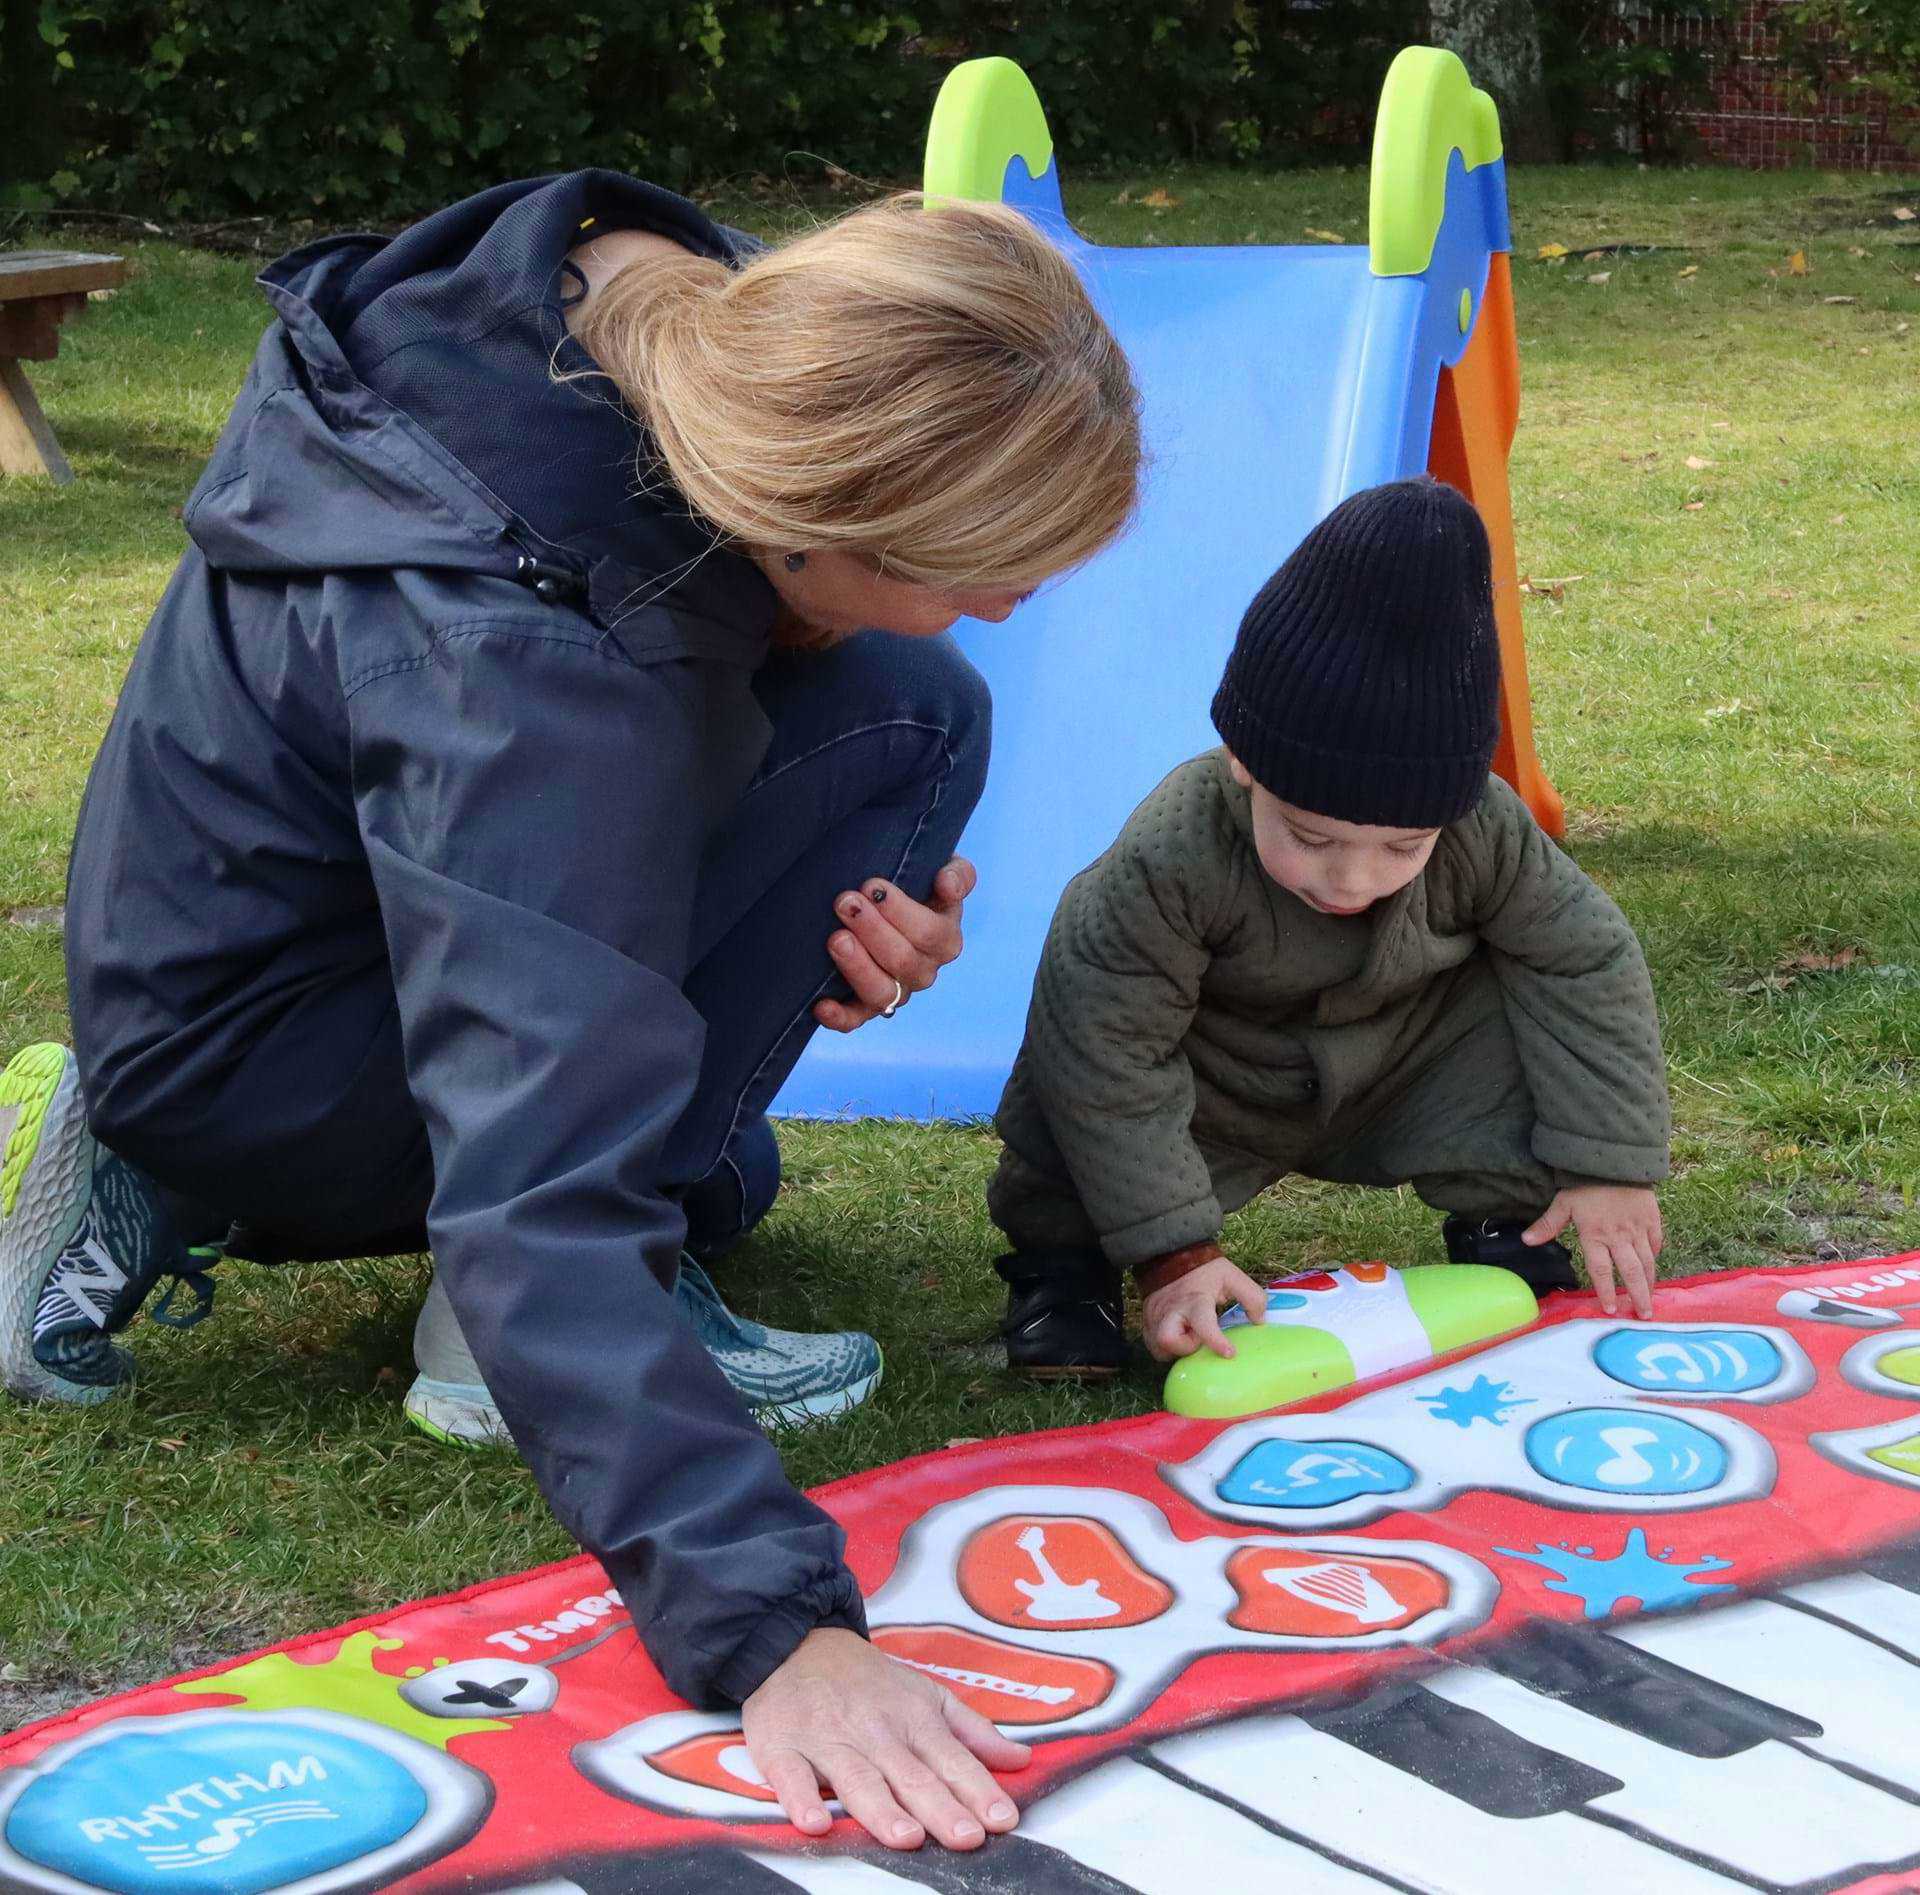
pixel 1177 1320
pixel 1620 1235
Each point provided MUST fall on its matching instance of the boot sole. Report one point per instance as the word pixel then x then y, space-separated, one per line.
pixel 1058 1374
pixel 46 1178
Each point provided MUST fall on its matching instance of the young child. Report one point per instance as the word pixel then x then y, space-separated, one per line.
pixel 1335 948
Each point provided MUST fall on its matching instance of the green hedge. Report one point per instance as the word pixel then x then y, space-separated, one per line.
pixel 376 109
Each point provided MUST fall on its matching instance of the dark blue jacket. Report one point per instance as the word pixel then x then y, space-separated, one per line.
pixel 357 730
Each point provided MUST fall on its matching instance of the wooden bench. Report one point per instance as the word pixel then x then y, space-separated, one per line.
pixel 39 290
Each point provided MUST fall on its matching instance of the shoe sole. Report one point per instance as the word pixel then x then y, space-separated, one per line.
pixel 1058 1374
pixel 804 1411
pixel 445 1413
pixel 46 1177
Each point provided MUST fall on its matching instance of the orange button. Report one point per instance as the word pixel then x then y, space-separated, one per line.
pixel 1004 1682
pixel 716 1761
pixel 1057 1575
pixel 1329 1595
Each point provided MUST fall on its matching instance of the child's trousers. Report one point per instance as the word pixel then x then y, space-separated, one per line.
pixel 1453 1117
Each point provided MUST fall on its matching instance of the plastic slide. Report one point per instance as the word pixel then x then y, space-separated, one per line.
pixel 1276 381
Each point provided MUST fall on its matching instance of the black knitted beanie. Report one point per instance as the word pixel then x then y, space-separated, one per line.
pixel 1364 683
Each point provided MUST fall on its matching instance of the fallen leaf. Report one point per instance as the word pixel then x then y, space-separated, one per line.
pixel 172 1447
pixel 1698 461
pixel 1601 276
pixel 1723 424
pixel 1839 519
pixel 1160 199
pixel 1866 351
pixel 1831 300
pixel 1550 252
pixel 1125 197
pixel 1591 256
pixel 1901 328
pixel 1693 506
pixel 1815 961
pixel 1732 709
pixel 1905 214
pixel 1797 264
pixel 1692 269
pixel 1856 250
pixel 966 1440
pixel 1325 236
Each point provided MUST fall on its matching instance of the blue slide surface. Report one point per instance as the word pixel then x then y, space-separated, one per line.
pixel 1275 381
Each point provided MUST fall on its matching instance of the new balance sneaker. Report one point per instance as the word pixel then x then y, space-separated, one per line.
pixel 1066 1320
pixel 787 1378
pixel 83 1239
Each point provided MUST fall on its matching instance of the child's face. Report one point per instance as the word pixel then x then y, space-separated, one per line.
pixel 1340 868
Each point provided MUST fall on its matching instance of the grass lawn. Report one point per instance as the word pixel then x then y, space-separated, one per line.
pixel 1717 462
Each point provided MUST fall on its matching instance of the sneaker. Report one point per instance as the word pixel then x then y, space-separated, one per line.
pixel 83 1240
pixel 1065 1318
pixel 1543 1268
pixel 785 1377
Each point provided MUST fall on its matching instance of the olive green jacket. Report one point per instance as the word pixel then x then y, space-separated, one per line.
pixel 1186 1001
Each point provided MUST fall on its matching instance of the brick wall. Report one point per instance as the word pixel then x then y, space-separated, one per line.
pixel 1761 119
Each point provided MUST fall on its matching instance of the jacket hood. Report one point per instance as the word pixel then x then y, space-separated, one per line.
pixel 407 409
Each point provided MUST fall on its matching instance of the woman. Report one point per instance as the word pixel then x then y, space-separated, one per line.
pixel 504 791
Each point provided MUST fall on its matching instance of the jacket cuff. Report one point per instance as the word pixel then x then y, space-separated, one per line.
pixel 1171 1230
pixel 1158 1272
pixel 834 1603
pixel 1577 1158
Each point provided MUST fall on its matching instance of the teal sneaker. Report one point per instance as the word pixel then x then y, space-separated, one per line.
pixel 786 1378
pixel 83 1240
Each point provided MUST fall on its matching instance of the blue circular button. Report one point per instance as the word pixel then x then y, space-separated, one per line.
pixel 1625 1451
pixel 1298 1474
pixel 1689 1361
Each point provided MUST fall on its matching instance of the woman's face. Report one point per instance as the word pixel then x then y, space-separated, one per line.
pixel 841 593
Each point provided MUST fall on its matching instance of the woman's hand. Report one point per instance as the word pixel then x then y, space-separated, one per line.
pixel 890 937
pixel 1620 1237
pixel 905 1757
pixel 1185 1316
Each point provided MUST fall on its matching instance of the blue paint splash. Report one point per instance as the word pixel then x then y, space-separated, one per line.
pixel 1481 1400
pixel 1602 1586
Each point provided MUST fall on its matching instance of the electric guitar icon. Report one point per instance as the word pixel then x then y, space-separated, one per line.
pixel 1052 1600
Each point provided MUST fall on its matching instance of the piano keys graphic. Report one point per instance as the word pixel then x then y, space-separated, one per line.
pixel 1772 1743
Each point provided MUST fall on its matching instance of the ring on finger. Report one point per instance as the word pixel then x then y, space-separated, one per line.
pixel 893 1006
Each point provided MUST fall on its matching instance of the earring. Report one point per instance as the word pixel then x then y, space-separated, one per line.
pixel 794 561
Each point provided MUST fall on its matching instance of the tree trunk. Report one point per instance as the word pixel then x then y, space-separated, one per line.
pixel 1499 42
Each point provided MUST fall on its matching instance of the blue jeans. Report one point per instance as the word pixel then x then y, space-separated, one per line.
pixel 877 758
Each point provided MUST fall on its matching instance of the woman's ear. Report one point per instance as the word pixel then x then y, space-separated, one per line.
pixel 1241 774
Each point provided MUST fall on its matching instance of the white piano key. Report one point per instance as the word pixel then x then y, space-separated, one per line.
pixel 1397 1825
pixel 1150 1832
pixel 1863 1698
pixel 1770 1812
pixel 1887 1612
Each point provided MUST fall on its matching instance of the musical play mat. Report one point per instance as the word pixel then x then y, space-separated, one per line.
pixel 1602 1607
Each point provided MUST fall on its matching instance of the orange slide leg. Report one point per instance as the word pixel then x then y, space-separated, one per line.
pixel 1475 414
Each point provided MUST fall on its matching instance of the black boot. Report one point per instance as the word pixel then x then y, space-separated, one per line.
pixel 1066 1319
pixel 1543 1268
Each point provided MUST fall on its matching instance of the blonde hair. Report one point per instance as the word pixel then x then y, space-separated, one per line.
pixel 929 386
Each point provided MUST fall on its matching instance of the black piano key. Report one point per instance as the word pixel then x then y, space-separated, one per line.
pixel 1005 1865
pixel 1898 1565
pixel 685 1871
pixel 1637 1692
pixel 1465 1754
